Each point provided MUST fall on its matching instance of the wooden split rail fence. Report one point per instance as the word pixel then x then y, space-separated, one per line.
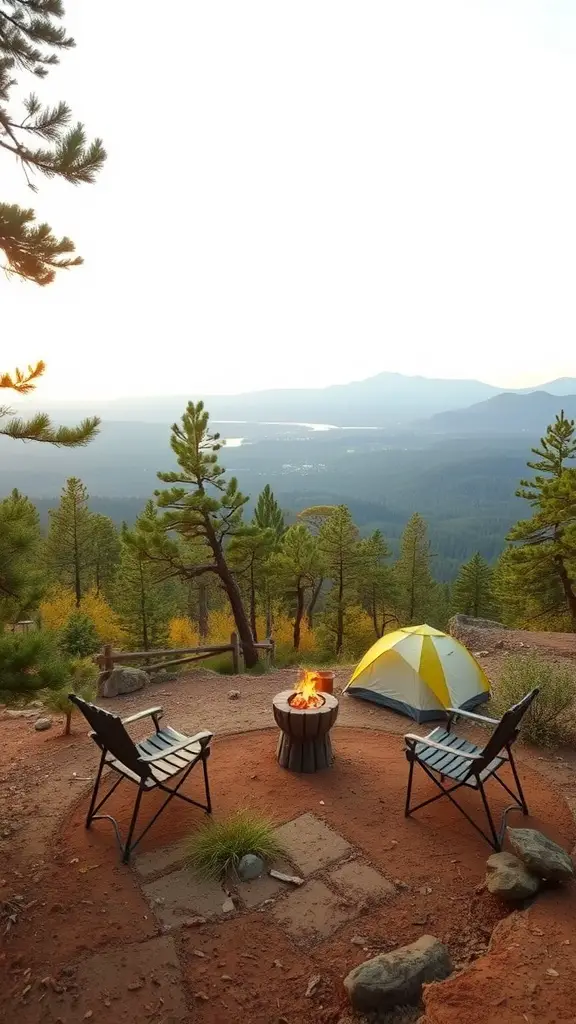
pixel 108 658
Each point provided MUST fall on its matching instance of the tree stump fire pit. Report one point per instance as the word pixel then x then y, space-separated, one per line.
pixel 305 717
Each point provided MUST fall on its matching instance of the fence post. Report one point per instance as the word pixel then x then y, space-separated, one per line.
pixel 235 644
pixel 107 660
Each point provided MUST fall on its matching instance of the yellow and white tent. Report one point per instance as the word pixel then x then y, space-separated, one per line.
pixel 419 671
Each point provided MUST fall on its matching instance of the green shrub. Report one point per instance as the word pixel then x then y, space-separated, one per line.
pixel 30 662
pixel 551 719
pixel 79 638
pixel 218 847
pixel 82 681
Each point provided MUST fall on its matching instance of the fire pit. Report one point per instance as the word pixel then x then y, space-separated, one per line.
pixel 305 716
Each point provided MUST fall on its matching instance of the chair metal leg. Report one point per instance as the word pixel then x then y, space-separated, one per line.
pixel 497 842
pixel 207 785
pixel 126 851
pixel 95 791
pixel 523 803
pixel 409 790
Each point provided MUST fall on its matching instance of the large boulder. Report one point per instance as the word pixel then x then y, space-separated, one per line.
pixel 508 877
pixel 396 978
pixel 540 855
pixel 122 680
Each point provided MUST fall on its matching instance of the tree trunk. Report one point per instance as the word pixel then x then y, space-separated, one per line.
pixel 340 613
pixel 68 724
pixel 298 617
pixel 238 610
pixel 144 617
pixel 312 602
pixel 253 603
pixel 567 587
pixel 202 610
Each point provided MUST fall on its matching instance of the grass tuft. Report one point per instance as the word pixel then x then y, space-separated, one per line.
pixel 218 847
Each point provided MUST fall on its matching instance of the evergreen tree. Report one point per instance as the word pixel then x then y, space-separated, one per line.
pixel 104 553
pixel 39 427
pixel 200 508
pixel 31 662
pixel 21 578
pixel 144 601
pixel 313 517
pixel 268 514
pixel 541 563
pixel 412 572
pixel 69 543
pixel 297 567
pixel 248 553
pixel 79 638
pixel 41 138
pixel 473 592
pixel 341 555
pixel 378 590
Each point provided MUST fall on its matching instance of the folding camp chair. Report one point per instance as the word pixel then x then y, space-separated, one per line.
pixel 149 764
pixel 443 753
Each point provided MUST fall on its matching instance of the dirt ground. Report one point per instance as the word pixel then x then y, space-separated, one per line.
pixel 86 944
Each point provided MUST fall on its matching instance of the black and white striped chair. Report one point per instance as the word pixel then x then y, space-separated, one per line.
pixel 444 755
pixel 150 764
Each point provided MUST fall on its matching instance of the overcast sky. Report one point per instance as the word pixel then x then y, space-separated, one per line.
pixel 308 192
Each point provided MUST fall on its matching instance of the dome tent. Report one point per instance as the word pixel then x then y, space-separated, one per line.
pixel 419 671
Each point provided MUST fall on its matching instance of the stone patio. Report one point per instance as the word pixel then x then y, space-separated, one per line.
pixel 338 884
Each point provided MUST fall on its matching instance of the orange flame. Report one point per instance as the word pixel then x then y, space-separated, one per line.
pixel 305 695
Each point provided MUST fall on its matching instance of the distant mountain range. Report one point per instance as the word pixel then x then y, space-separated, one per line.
pixel 506 414
pixel 388 400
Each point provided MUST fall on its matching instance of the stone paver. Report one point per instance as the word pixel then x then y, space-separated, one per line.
pixel 359 881
pixel 254 893
pixel 311 844
pixel 181 894
pixel 156 861
pixel 312 912
pixel 126 983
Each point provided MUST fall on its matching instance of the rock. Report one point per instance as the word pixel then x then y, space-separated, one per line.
pixel 359 940
pixel 313 985
pixel 396 978
pixel 35 704
pixel 281 877
pixel 250 867
pixel 233 694
pixel 481 654
pixel 540 855
pixel 508 877
pixel 228 906
pixel 11 713
pixel 122 680
pixel 42 723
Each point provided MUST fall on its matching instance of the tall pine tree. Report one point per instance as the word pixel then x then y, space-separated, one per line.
pixel 22 580
pixel 41 138
pixel 104 552
pixel 541 562
pixel 412 572
pixel 143 600
pixel 473 593
pixel 341 555
pixel 297 567
pixel 378 589
pixel 268 514
pixel 69 544
pixel 200 507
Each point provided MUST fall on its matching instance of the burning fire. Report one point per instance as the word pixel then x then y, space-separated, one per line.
pixel 305 696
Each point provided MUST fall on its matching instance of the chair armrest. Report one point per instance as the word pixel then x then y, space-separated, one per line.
pixel 474 717
pixel 150 712
pixel 203 738
pixel 412 739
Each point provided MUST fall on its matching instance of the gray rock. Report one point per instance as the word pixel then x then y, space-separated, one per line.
pixel 233 694
pixel 11 713
pixel 540 855
pixel 42 723
pixel 508 877
pixel 250 867
pixel 122 680
pixel 396 978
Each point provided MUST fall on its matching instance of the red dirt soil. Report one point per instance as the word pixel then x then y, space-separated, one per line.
pixel 86 902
